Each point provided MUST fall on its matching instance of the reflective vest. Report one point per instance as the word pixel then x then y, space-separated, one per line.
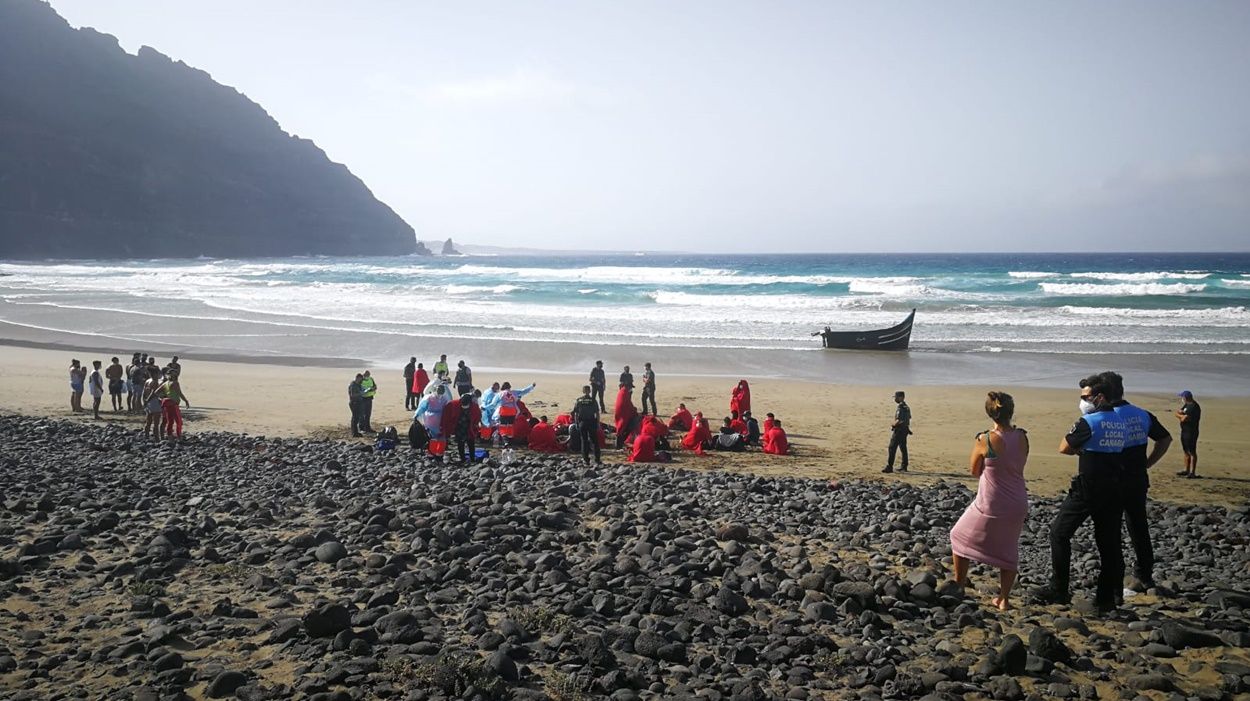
pixel 368 388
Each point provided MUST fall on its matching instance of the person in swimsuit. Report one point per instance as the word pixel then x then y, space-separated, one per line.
pixel 95 385
pixel 115 374
pixel 151 399
pixel 77 383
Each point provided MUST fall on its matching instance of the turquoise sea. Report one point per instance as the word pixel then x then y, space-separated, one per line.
pixel 1158 303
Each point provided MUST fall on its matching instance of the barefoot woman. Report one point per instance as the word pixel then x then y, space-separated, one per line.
pixel 989 530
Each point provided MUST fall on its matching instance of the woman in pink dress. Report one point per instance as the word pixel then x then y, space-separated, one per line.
pixel 989 530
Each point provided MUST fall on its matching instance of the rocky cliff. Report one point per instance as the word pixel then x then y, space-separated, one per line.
pixel 104 154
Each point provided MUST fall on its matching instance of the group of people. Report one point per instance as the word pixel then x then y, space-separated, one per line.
pixel 142 386
pixel 1115 444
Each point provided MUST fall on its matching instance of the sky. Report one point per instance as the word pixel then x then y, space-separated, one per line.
pixel 753 126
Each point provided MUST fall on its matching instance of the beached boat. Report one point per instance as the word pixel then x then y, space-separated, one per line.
pixel 894 338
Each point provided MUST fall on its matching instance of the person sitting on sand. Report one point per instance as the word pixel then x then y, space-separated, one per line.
pixel 643 449
pixel 543 437
pixel 77 383
pixel 775 441
pixel 410 391
pixel 754 435
pixel 521 427
pixel 738 425
pixel 681 420
pixel 740 398
pixel 989 530
pixel 95 385
pixel 728 439
pixel 656 429
pixel 697 438
pixel 624 414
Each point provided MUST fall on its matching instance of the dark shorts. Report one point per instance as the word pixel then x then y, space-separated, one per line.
pixel 115 386
pixel 1189 441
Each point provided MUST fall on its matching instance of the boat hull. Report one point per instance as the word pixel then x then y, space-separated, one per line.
pixel 895 338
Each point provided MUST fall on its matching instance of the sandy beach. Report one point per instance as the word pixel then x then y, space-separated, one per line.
pixel 838 430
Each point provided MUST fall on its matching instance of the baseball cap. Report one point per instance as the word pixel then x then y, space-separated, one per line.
pixel 1186 394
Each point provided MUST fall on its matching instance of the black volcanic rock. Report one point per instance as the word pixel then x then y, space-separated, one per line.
pixel 108 155
pixel 449 248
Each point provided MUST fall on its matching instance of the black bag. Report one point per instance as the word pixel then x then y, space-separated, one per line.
pixel 418 437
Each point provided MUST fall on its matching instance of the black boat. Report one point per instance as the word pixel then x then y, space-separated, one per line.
pixel 894 338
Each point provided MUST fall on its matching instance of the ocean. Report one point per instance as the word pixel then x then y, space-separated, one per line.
pixel 378 309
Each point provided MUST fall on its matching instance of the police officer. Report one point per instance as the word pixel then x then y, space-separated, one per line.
pixel 598 383
pixel 586 420
pixel 899 431
pixel 1098 439
pixel 1141 428
pixel 368 389
pixel 355 403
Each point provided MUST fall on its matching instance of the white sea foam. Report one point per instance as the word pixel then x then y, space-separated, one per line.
pixel 1030 274
pixel 1085 289
pixel 1141 277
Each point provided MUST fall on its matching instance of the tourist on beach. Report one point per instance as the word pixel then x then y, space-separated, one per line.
pixel 115 375
pixel 420 380
pixel 989 530
pixel 355 394
pixel 95 385
pixel 627 378
pixel 740 398
pixel 586 423
pixel 899 431
pixel 1097 439
pixel 134 384
pixel 776 442
pixel 624 414
pixel 598 383
pixel 464 379
pixel 440 368
pixel 1190 416
pixel 171 394
pixel 410 389
pixel 151 398
pixel 461 420
pixel 754 435
pixel 542 438
pixel 699 435
pixel 368 390
pixel 648 390
pixel 1140 427
pixel 681 420
pixel 77 383
pixel 430 409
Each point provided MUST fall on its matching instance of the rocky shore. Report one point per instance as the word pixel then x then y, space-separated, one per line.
pixel 232 566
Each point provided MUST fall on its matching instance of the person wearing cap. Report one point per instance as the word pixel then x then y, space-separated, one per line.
pixel 899 431
pixel 1190 414
pixel 598 383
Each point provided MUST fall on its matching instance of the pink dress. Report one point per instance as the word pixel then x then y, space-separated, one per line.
pixel 989 530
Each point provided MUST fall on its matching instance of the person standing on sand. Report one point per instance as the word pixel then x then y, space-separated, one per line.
pixel 648 390
pixel 171 394
pixel 1098 439
pixel 440 368
pixel 627 378
pixel 95 385
pixel 740 398
pixel 586 417
pixel 355 402
pixel 464 379
pixel 368 389
pixel 134 385
pixel 1190 415
pixel 115 373
pixel 1140 427
pixel 989 530
pixel 899 431
pixel 77 383
pixel 420 380
pixel 151 400
pixel 461 419
pixel 410 371
pixel 598 383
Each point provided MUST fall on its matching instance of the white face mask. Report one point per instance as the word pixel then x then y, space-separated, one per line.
pixel 1086 406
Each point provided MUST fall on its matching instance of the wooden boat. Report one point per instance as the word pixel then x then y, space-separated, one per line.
pixel 894 338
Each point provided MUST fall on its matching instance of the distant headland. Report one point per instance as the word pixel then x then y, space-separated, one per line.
pixel 104 154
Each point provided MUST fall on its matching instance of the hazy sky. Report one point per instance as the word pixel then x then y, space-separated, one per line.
pixel 746 126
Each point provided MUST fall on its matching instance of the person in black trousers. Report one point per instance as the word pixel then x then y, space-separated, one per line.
pixel 598 383
pixel 1097 439
pixel 586 415
pixel 899 431
pixel 648 389
pixel 410 399
pixel 355 402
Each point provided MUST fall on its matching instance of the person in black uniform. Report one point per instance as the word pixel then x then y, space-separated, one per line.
pixel 410 399
pixel 899 431
pixel 648 389
pixel 586 418
pixel 627 378
pixel 1141 428
pixel 598 382
pixel 1190 414
pixel 1098 439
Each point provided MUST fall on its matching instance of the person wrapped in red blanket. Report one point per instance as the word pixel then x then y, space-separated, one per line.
pixel 775 440
pixel 625 415
pixel 740 399
pixel 543 437
pixel 681 420
pixel 698 436
pixel 462 420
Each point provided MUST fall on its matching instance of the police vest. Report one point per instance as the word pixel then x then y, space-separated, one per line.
pixel 368 387
pixel 1108 432
pixel 1136 424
